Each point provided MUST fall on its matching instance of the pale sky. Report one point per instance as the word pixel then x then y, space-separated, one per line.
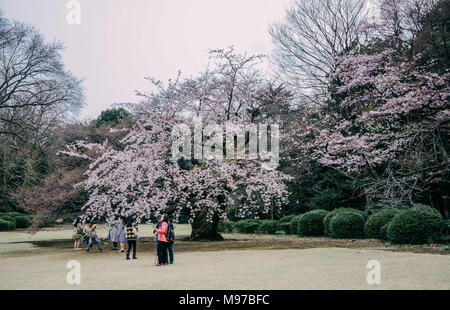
pixel 119 42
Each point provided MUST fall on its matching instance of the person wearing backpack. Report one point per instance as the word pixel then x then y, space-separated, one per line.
pixel 161 246
pixel 170 239
pixel 131 229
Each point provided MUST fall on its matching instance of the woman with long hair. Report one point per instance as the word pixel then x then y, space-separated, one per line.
pixel 122 233
pixel 114 231
pixel 162 244
pixel 77 234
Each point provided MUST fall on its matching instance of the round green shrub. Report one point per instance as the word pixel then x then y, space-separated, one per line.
pixel 269 227
pixel 327 219
pixel 247 226
pixel 378 220
pixel 23 221
pixel 285 227
pixel 7 225
pixel 383 231
pixel 416 225
pixel 311 223
pixel 347 225
pixel 294 224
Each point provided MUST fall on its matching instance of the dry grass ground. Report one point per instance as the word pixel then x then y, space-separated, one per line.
pixel 240 262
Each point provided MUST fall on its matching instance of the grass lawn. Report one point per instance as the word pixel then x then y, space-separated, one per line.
pixel 240 262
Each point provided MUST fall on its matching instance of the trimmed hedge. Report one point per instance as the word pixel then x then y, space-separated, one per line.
pixel 247 226
pixel 225 227
pixel 347 225
pixel 294 225
pixel 416 225
pixel 286 227
pixel 377 220
pixel 23 221
pixel 269 226
pixel 7 225
pixel 285 223
pixel 383 231
pixel 329 217
pixel 311 223
pixel 8 218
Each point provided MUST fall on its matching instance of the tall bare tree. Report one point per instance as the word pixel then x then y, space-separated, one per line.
pixel 36 91
pixel 308 40
pixel 36 94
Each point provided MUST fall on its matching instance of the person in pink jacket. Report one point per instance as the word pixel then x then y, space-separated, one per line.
pixel 161 247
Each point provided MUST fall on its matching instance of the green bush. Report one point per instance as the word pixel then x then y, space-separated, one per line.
pixel 378 220
pixel 247 226
pixel 285 227
pixel 311 223
pixel 294 224
pixel 383 231
pixel 327 219
pixel 347 225
pixel 416 225
pixel 23 221
pixel 285 223
pixel 11 214
pixel 225 227
pixel 8 218
pixel 269 226
pixel 7 225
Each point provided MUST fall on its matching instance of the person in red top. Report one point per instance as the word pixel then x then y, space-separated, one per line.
pixel 161 247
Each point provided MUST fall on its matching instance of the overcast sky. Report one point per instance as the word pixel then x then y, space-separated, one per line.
pixel 119 42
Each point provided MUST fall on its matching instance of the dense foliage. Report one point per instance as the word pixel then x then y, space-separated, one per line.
pixel 347 225
pixel 327 219
pixel 416 225
pixel 372 228
pixel 311 223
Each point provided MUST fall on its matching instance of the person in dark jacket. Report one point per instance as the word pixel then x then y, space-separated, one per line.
pixel 131 230
pixel 170 246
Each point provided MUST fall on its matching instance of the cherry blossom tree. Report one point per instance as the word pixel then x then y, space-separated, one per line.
pixel 385 121
pixel 141 178
pixel 390 129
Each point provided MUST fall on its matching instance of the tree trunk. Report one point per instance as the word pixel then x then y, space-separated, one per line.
pixel 202 229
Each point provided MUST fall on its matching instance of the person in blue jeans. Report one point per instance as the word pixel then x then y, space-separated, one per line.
pixel 92 233
pixel 170 251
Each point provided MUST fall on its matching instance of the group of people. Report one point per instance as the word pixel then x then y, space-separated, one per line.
pixel 125 230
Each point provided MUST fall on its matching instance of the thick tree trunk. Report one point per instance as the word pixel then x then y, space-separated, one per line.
pixel 202 229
